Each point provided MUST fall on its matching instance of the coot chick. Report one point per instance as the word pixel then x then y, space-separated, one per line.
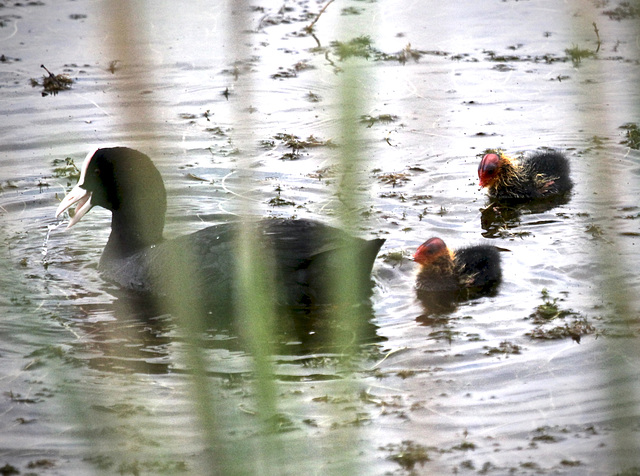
pixel 303 255
pixel 537 176
pixel 460 274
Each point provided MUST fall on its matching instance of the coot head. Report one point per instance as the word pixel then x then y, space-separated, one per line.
pixel 125 182
pixel 489 169
pixel 430 250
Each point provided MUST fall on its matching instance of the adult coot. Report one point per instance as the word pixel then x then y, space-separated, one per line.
pixel 302 256
pixel 447 275
pixel 537 176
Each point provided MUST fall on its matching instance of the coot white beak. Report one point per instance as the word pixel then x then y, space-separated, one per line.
pixel 82 197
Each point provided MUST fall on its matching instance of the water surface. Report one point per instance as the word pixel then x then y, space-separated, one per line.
pixel 89 386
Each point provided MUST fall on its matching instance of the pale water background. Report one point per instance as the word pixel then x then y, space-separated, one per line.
pixel 87 387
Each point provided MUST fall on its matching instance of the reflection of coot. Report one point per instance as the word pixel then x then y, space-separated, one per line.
pixel 538 176
pixel 302 257
pixel 499 216
pixel 294 331
pixel 447 276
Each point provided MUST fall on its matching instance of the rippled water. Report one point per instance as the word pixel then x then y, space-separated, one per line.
pixel 89 385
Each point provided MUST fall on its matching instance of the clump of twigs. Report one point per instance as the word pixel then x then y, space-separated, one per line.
pixel 52 83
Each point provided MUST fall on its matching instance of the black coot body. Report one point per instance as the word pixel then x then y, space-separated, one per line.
pixel 302 256
pixel 540 175
pixel 447 276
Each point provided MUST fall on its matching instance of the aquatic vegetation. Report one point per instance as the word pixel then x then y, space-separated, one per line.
pixel 217 131
pixel 113 66
pixel 547 58
pixel 595 231
pixel 504 348
pixel 66 168
pixel 577 54
pixel 8 470
pixel 624 11
pixel 313 97
pixel 280 423
pixel 291 72
pixel 549 312
pixel 410 53
pixel 278 201
pixel 632 135
pixel 464 446
pixel 396 257
pixel 381 118
pixel 296 144
pixel 503 67
pixel 324 173
pixel 52 83
pixel 446 334
pixel 187 116
pixel 394 179
pixel 407 454
pixel 492 56
pixel 351 11
pixel 359 47
pixel 7 59
pixel 362 47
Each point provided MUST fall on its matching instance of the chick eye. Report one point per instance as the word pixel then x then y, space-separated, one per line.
pixel 490 169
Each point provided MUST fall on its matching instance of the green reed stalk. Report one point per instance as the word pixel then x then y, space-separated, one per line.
pixel 128 31
pixel 624 353
pixel 348 316
pixel 255 309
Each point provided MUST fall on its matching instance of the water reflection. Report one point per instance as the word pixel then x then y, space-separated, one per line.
pixel 496 217
pixel 138 337
pixel 438 305
pixel 131 339
pixel 544 409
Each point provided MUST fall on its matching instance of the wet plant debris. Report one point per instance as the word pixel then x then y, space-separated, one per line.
pixel 380 119
pixel 291 72
pixel 624 11
pixel 505 348
pixel 407 454
pixel 8 59
pixel 394 179
pixel 511 58
pixel 548 313
pixel 52 83
pixel 278 201
pixel 632 135
pixel 359 47
pixel 577 54
pixel 362 47
pixel 296 144
pixel 113 66
pixel 66 168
